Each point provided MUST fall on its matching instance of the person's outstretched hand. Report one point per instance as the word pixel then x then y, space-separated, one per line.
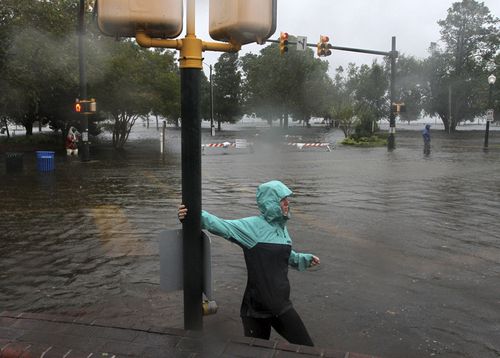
pixel 182 212
pixel 315 261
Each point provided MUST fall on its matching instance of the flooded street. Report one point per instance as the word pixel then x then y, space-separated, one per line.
pixel 409 245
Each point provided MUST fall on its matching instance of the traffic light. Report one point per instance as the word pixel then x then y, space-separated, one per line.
pixel 84 106
pixel 283 42
pixel 78 106
pixel 323 46
pixel 398 107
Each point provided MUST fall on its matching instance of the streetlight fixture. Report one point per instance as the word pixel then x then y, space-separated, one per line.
pixel 489 113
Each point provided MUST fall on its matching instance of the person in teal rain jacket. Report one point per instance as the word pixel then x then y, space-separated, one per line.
pixel 267 247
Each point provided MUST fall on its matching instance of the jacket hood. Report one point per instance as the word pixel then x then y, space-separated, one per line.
pixel 269 196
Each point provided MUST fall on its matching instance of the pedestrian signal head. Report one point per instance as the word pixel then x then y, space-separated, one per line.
pixel 78 106
pixel 283 42
pixel 85 106
pixel 398 107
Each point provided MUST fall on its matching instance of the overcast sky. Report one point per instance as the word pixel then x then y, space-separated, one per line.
pixel 366 24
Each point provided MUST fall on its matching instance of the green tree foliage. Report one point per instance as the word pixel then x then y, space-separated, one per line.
pixel 277 86
pixel 410 87
pixel 205 99
pixel 372 84
pixel 135 83
pixel 36 61
pixel 39 73
pixel 163 84
pixel 456 73
pixel 360 98
pixel 227 89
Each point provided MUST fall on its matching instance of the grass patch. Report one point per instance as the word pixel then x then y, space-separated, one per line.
pixel 372 141
pixel 38 138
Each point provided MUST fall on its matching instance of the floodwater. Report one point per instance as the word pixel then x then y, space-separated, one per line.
pixel 409 245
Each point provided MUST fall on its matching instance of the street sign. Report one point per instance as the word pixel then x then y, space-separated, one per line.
pixel 301 43
pixel 489 115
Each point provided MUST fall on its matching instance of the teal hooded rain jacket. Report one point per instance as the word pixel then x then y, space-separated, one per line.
pixel 268 252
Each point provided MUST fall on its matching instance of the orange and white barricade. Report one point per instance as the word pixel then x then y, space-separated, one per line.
pixel 218 145
pixel 311 145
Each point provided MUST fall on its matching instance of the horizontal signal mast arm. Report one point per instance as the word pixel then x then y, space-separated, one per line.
pixel 221 46
pixel 339 48
pixel 147 41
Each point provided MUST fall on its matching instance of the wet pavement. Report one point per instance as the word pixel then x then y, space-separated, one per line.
pixel 409 244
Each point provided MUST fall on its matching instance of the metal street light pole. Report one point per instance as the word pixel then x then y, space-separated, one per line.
pixel 491 82
pixel 212 128
pixel 83 82
pixel 391 140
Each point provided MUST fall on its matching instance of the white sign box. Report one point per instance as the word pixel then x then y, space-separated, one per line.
pixel 122 18
pixel 242 21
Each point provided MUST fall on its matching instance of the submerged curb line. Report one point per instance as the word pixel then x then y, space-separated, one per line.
pixel 30 335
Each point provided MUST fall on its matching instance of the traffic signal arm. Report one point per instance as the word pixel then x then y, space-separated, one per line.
pixel 146 41
pixel 341 48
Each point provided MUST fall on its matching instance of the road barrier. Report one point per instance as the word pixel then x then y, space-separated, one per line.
pixel 244 144
pixel 311 145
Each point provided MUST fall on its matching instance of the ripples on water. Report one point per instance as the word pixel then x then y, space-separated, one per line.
pixel 425 229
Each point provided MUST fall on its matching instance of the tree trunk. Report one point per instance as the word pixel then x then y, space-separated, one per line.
pixel 29 129
pixel 6 127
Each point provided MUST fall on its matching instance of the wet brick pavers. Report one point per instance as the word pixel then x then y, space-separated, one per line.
pixel 30 335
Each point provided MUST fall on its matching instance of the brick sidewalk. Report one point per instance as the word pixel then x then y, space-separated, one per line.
pixel 29 335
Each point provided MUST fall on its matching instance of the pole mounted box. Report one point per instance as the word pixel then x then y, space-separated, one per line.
pixel 157 18
pixel 242 21
pixel 85 106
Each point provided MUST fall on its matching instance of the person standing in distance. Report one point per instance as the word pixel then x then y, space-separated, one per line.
pixel 426 135
pixel 267 247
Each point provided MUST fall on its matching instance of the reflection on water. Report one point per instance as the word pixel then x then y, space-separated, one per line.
pixel 410 245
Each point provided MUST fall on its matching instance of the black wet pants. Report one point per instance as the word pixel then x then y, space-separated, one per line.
pixel 288 325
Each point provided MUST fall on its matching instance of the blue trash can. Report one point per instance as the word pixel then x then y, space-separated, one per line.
pixel 45 161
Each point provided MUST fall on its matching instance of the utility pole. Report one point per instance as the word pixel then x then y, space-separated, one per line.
pixel 449 109
pixel 84 125
pixel 190 68
pixel 391 140
pixel 212 128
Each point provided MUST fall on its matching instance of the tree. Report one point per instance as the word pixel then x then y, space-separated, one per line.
pixel 363 92
pixel 344 113
pixel 277 86
pixel 410 86
pixel 226 86
pixel 205 99
pixel 456 75
pixel 123 90
pixel 372 85
pixel 36 61
pixel 163 84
